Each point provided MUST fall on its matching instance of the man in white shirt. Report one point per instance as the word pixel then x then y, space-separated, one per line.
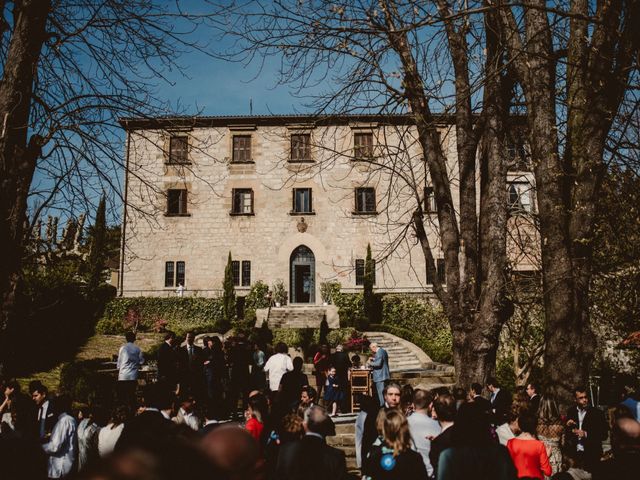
pixel 129 361
pixel 186 415
pixel 422 427
pixel 61 449
pixel 277 366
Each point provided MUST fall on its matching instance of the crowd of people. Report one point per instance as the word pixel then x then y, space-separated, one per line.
pixel 185 425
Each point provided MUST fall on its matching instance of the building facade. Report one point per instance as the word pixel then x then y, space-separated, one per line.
pixel 292 198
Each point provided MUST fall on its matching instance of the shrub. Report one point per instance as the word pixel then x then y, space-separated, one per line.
pixel 279 292
pixel 255 299
pixel 419 322
pixel 308 339
pixel 83 382
pixel 350 308
pixel 180 314
pixel 329 291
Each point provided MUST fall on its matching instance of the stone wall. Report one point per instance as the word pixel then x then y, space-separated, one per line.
pixel 335 235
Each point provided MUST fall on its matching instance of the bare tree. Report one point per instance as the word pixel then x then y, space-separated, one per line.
pixel 69 70
pixel 416 58
pixel 575 64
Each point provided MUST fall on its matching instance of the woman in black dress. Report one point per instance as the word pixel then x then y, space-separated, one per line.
pixel 391 458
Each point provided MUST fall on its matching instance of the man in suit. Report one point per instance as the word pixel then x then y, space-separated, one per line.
pixel 168 361
pixel 534 396
pixel 586 429
pixel 191 361
pixel 476 396
pixel 340 360
pixel 310 458
pixel 47 417
pixel 380 366
pixel 445 409
pixel 500 402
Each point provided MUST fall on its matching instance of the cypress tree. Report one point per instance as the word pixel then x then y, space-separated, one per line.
pixel 98 252
pixel 369 299
pixel 229 295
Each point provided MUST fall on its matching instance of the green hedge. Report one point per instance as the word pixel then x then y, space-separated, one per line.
pixel 419 322
pixel 308 337
pixel 180 314
pixel 350 308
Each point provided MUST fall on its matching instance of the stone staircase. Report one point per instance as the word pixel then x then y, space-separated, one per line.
pixel 345 439
pixel 298 316
pixel 408 365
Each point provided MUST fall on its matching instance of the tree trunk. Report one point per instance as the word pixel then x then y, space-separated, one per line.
pixel 17 155
pixel 600 53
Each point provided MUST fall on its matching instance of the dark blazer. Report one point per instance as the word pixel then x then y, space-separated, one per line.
pixel 534 402
pixel 483 403
pixel 439 445
pixel 596 427
pixel 500 406
pixel 310 459
pixel 167 364
pixel 191 369
pixel 408 466
pixel 51 417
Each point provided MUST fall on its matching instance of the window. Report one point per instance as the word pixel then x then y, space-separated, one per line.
pixel 169 272
pixel 180 273
pixel 178 149
pixel 246 273
pixel 176 202
pixel 302 200
pixel 174 274
pixel 363 145
pixel 242 203
pixel 517 155
pixel 241 148
pixel 360 263
pixel 440 275
pixel 519 197
pixel 241 277
pixel 301 147
pixel 235 269
pixel 365 200
pixel 429 201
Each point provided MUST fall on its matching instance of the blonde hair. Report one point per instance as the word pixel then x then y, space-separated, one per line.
pixel 548 412
pixel 393 427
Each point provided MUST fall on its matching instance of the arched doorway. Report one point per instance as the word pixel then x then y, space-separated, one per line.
pixel 302 273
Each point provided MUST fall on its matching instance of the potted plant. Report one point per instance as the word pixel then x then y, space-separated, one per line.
pixel 279 293
pixel 328 291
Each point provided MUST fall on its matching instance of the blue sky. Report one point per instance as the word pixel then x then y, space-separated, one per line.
pixel 211 86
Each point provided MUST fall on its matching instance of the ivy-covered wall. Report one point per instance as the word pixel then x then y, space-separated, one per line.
pixel 180 314
pixel 408 317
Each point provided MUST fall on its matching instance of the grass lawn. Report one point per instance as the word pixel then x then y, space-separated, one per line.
pixel 102 347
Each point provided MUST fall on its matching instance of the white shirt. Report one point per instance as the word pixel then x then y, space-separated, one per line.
pixel 276 367
pixel 62 447
pixel 187 418
pixel 129 360
pixel 505 433
pixel 422 426
pixel 108 437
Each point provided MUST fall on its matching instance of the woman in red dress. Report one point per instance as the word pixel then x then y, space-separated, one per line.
pixel 529 454
pixel 255 414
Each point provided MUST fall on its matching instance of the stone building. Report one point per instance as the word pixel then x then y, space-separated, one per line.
pixel 293 198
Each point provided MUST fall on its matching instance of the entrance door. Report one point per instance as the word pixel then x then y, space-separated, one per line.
pixel 302 269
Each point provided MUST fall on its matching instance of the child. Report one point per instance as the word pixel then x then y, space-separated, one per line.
pixel 333 393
